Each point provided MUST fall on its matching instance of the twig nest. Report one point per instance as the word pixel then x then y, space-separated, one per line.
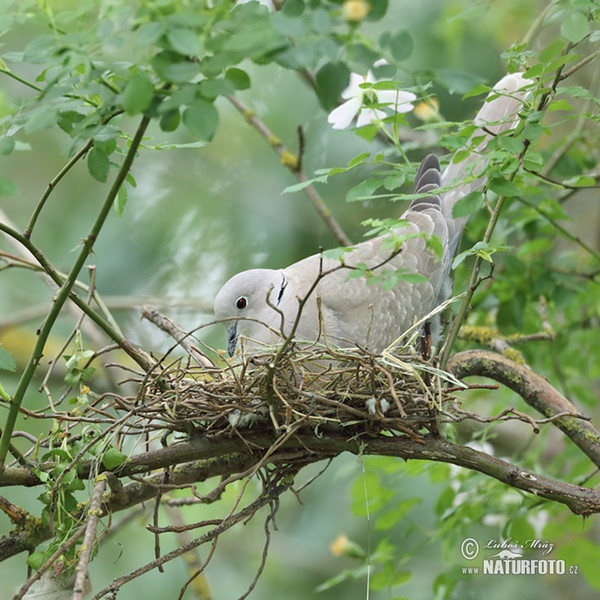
pixel 348 390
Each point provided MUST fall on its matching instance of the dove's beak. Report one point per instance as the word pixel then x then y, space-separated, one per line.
pixel 232 337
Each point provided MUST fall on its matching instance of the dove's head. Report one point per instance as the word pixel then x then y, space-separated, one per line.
pixel 245 305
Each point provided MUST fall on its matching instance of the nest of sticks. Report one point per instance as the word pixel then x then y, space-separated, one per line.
pixel 317 389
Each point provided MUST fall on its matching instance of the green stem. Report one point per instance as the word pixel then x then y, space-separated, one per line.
pixel 473 285
pixel 64 293
pixel 107 325
pixel 21 80
pixel 52 185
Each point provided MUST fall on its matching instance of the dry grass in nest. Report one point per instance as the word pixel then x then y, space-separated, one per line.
pixel 304 388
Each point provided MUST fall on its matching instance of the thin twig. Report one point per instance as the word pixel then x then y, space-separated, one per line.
pixel 230 521
pixel 65 291
pixel 38 574
pixel 183 339
pixel 94 513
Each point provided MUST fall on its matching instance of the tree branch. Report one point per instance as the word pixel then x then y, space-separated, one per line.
pixel 534 389
pixel 65 291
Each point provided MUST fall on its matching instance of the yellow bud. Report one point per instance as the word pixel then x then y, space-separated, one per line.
pixel 355 10
pixel 339 545
pixel 343 546
pixel 427 110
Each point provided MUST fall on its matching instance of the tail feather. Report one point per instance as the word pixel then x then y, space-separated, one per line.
pixel 428 179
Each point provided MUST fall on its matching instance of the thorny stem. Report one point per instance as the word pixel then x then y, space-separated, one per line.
pixel 65 291
pixel 52 185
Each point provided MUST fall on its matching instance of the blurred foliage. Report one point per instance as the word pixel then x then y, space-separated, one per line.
pixel 79 75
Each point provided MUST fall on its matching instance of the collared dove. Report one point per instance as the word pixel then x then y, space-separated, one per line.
pixel 262 305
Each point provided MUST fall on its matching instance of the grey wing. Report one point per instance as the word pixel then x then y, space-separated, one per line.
pixel 352 311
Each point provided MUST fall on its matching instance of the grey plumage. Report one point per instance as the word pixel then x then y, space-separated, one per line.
pixel 262 304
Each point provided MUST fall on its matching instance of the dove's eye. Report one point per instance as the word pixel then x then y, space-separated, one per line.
pixel 241 303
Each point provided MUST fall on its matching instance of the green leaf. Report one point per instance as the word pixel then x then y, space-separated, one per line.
pixel 444 501
pixel 481 249
pixel 8 187
pixel 201 119
pixel 413 278
pixel 170 120
pixel 574 26
pixel 76 485
pixel 585 554
pixel 42 118
pixel 457 81
pixel 239 78
pixel 7 362
pixel 336 253
pixel 213 88
pixel 561 104
pixel 185 41
pixel 378 10
pixel 98 164
pixel 36 559
pixel 293 8
pixel 113 458
pixel 121 200
pixel 401 45
pixel 552 50
pixel 363 190
pixel 361 58
pixel 7 145
pixel 331 80
pixel 388 519
pixel 297 187
pixel 357 160
pixel 535 71
pixel 477 91
pixel 503 187
pixel 368 132
pixel 511 144
pixel 532 131
pixel 394 181
pixel 170 67
pixel 137 94
pixel 580 181
pixel 149 33
pixel 468 205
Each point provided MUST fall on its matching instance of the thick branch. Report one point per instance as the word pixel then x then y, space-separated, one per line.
pixel 535 390
pixel 204 457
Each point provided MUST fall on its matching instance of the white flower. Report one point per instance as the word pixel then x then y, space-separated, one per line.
pixel 398 100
